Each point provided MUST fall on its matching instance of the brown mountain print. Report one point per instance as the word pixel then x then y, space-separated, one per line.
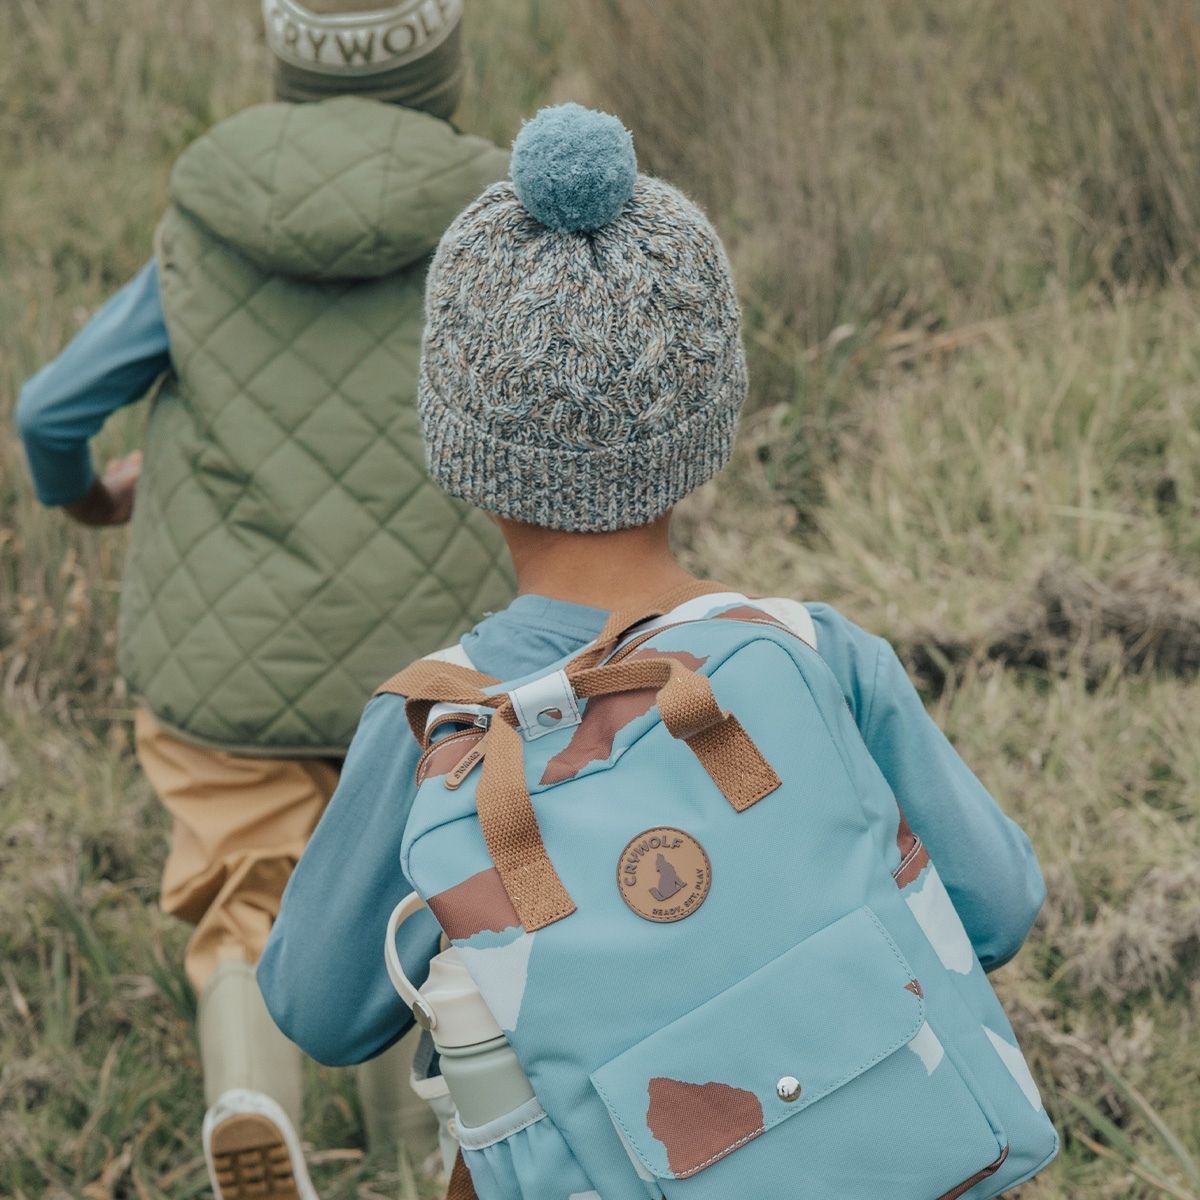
pixel 477 904
pixel 604 717
pixel 914 858
pixel 700 1123
pixel 745 612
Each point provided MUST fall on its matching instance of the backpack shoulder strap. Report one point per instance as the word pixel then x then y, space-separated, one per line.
pixel 461 1185
pixel 444 677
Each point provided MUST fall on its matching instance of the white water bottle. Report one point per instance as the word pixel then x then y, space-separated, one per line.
pixel 481 1071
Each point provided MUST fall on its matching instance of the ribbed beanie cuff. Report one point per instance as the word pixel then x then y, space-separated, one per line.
pixel 578 491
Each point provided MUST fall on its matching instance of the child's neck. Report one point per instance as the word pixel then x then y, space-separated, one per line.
pixel 625 569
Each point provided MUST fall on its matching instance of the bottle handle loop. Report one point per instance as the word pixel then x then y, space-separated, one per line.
pixel 422 1013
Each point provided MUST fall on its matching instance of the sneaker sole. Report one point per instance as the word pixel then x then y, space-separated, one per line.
pixel 251 1160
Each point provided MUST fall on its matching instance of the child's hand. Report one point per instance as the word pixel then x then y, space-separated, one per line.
pixel 110 499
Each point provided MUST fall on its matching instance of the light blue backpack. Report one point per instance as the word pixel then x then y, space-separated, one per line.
pixel 687 895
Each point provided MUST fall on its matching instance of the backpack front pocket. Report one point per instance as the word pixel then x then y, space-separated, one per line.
pixel 522 1156
pixel 818 1075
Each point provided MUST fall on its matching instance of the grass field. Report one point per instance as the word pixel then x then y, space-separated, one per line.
pixel 966 235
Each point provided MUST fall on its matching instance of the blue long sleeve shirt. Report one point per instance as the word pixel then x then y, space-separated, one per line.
pixel 110 363
pixel 322 972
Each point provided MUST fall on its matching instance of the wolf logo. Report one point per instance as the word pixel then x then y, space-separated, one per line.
pixel 680 866
pixel 668 880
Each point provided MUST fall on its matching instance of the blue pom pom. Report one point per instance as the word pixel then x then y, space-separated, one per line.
pixel 574 169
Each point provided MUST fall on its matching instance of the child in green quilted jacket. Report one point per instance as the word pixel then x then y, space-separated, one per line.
pixel 286 543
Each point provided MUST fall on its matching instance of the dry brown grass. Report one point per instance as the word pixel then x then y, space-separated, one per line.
pixel 914 164
pixel 965 232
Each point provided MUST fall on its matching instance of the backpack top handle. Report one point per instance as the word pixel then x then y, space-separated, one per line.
pixel 686 704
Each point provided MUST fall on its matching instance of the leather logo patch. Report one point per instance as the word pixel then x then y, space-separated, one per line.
pixel 664 874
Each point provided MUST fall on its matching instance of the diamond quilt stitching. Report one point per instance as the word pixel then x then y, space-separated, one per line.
pixel 198 346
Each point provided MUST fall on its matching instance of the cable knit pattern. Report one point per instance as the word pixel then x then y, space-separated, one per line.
pixel 580 381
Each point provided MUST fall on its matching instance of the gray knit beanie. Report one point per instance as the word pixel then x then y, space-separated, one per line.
pixel 582 366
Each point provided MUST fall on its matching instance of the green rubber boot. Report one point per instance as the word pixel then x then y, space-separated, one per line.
pixel 393 1114
pixel 252 1086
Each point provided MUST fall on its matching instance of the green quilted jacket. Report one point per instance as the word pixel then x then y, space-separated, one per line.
pixel 288 551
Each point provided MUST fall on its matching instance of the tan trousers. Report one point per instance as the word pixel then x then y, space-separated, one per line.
pixel 240 825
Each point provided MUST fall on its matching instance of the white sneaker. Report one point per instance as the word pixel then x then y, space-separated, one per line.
pixel 252 1151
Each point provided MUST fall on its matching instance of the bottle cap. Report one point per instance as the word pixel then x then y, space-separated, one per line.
pixel 460 1016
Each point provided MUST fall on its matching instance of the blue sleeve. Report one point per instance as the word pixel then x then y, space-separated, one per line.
pixel 322 972
pixel 111 362
pixel 984 858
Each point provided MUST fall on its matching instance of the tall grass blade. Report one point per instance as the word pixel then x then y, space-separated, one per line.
pixel 69 915
pixel 1170 1138
pixel 1163 1185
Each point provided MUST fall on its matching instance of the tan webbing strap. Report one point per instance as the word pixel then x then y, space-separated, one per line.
pixel 623 620
pixel 691 713
pixel 688 708
pixel 462 1187
pixel 511 831
pixel 724 749
pixel 734 763
pixel 428 682
pixel 431 681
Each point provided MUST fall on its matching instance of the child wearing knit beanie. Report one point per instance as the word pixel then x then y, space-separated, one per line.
pixel 582 371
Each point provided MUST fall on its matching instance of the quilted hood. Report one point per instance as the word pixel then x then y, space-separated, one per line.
pixel 344 189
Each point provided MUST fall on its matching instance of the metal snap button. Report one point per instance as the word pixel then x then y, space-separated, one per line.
pixel 788 1089
pixel 549 717
pixel 423 1014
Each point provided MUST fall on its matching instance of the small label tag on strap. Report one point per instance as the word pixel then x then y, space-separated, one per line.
pixel 545 705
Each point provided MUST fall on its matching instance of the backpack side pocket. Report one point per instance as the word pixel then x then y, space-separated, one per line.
pixel 523 1156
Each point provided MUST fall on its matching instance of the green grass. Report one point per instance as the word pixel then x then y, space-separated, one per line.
pixel 965 232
